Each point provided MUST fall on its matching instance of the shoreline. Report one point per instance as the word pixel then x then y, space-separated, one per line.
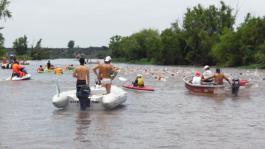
pixel 145 62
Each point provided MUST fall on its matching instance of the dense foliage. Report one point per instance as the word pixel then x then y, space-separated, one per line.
pixel 38 52
pixel 21 45
pixel 207 36
pixel 71 44
pixel 4 14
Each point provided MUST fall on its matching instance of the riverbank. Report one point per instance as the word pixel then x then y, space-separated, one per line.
pixel 145 61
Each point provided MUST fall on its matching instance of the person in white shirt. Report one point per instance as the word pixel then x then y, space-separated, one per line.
pixel 207 73
pixel 196 80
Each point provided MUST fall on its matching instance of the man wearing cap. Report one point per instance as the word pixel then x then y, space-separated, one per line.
pixel 207 73
pixel 105 73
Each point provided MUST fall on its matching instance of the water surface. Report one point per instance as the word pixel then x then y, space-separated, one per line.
pixel 170 117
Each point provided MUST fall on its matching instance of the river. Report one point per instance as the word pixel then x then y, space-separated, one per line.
pixel 169 117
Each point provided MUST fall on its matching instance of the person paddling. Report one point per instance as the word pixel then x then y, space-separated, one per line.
pixel 106 73
pixel 81 73
pixel 139 81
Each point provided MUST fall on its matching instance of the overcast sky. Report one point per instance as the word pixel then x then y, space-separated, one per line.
pixel 93 22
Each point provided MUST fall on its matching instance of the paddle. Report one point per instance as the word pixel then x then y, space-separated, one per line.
pixel 57 87
pixel 11 76
pixel 122 79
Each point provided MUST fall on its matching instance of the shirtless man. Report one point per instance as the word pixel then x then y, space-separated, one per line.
pixel 219 78
pixel 81 73
pixel 105 72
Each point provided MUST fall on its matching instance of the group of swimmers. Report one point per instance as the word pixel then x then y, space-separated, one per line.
pixel 57 70
pixel 209 77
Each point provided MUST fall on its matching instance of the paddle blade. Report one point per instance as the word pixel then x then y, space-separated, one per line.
pixel 122 79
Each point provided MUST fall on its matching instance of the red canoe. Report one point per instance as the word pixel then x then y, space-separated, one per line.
pixel 145 88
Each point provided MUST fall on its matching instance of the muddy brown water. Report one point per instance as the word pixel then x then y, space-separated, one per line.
pixel 169 117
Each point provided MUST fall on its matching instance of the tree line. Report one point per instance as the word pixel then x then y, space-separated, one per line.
pixel 4 14
pixel 37 52
pixel 207 36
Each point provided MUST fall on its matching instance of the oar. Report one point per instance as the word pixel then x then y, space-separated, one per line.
pixel 57 87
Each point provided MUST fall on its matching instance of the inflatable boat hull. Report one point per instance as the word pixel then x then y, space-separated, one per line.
pixel 98 98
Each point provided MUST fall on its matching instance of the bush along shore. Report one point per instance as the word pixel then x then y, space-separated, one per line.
pixel 207 36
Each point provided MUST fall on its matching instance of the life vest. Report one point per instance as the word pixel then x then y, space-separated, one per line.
pixel 15 68
pixel 140 81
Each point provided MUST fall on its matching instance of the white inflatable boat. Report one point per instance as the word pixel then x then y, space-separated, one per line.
pixel 15 78
pixel 68 99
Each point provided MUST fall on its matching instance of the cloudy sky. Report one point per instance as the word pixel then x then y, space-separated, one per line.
pixel 93 22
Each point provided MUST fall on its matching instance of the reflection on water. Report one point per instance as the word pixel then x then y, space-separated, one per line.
pixel 82 126
pixel 169 117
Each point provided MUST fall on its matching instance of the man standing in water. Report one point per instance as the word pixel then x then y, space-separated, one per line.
pixel 106 73
pixel 81 73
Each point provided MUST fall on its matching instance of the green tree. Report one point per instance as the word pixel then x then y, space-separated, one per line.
pixel 252 36
pixel 227 52
pixel 149 44
pixel 202 29
pixel 2 39
pixel 2 52
pixel 114 45
pixel 38 52
pixel 173 49
pixel 4 14
pixel 71 44
pixel 21 45
pixel 246 46
pixel 141 45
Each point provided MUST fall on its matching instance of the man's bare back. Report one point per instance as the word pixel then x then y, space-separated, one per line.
pixel 81 72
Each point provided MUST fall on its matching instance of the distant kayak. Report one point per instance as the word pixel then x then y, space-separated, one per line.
pixel 145 88
pixel 243 82
pixel 15 78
